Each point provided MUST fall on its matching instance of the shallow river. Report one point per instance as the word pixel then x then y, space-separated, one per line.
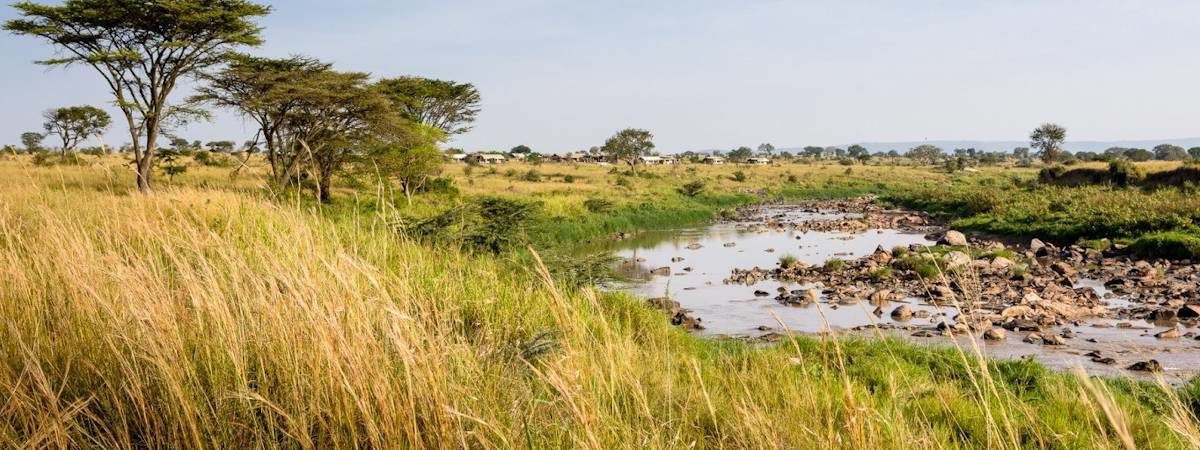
pixel 734 309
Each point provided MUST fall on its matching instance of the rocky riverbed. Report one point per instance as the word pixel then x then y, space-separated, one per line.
pixel 919 281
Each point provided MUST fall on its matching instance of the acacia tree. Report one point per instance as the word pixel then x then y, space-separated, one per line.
pixel 1048 139
pixel 410 155
pixel 740 154
pixel 333 120
pixel 629 144
pixel 221 146
pixel 447 105
pixel 766 149
pixel 75 124
pixel 858 152
pixel 1169 152
pixel 142 49
pixel 32 140
pixel 925 152
pixel 267 91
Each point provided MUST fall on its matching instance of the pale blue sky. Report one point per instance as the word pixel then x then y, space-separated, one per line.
pixel 564 75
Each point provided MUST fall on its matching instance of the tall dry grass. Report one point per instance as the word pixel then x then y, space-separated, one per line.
pixel 212 319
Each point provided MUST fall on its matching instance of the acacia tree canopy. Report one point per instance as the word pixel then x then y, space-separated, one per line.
pixel 1048 139
pixel 267 91
pixel 142 49
pixel 75 124
pixel 32 140
pixel 628 144
pixel 925 152
pixel 447 105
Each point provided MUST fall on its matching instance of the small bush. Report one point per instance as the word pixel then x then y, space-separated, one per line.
pixel 692 189
pixel 927 269
pixel 206 158
pixel 1049 174
pixel 1169 244
pixel 568 179
pixel 739 176
pixel 835 264
pixel 846 162
pixel 882 273
pixel 787 261
pixel 440 185
pixel 1125 172
pixel 46 159
pixel 598 205
pixel 792 179
pixel 624 182
pixel 468 169
pixel 532 176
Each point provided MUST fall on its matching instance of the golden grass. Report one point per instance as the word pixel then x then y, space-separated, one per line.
pixel 216 318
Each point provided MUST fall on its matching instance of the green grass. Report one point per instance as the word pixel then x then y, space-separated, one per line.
pixel 1061 214
pixel 1169 244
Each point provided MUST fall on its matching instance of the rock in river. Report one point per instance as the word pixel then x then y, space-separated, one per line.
pixel 1146 366
pixel 994 334
pixel 953 238
pixel 902 312
pixel 1173 333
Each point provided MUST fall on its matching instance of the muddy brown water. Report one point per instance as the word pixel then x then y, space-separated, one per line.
pixel 734 309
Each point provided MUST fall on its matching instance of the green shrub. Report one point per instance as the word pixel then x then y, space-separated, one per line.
pixel 1168 244
pixel 787 261
pixel 501 223
pixel 440 185
pixel 532 176
pixel 598 205
pixel 739 176
pixel 1049 174
pixel 1125 172
pixel 568 178
pixel 206 158
pixel 835 264
pixel 882 273
pixel 927 269
pixel 46 159
pixel 692 189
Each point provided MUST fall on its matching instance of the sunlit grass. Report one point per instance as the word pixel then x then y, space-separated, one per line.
pixel 213 314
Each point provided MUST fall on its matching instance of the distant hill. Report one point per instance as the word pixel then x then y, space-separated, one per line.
pixel 1006 146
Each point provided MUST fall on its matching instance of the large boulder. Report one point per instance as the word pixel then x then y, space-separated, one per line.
pixel 953 238
pixel 902 312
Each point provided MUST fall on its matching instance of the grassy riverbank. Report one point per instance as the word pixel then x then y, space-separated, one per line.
pixel 1159 221
pixel 214 314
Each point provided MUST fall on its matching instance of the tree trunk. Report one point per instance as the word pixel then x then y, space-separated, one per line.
pixel 323 188
pixel 145 164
